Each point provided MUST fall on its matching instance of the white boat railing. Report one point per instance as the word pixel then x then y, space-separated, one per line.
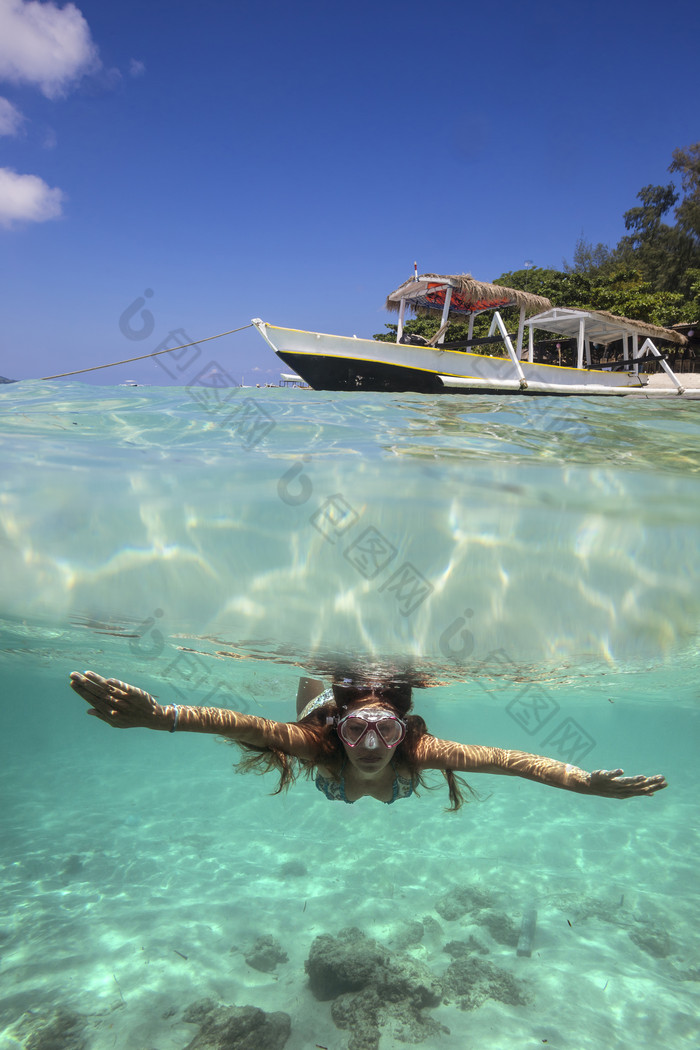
pixel 648 347
pixel 497 322
pixel 587 326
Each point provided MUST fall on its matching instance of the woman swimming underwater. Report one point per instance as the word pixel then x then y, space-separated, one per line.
pixel 353 739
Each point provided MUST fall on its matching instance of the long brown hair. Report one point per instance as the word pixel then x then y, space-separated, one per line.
pixel 328 751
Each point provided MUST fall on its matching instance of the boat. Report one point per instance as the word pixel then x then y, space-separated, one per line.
pixel 411 363
pixel 293 381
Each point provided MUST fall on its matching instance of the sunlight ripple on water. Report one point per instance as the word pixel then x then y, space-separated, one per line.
pixel 299 523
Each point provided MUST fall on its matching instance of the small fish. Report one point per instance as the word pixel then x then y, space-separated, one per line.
pixel 179 953
pixel 569 923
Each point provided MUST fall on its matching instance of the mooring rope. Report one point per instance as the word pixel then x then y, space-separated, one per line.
pixel 142 357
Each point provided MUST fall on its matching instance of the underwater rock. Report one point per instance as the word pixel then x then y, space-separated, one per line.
pixel 432 930
pixel 460 900
pixel 266 954
pixel 409 935
pixel 293 869
pixel 344 963
pixel 351 961
pixel 578 909
pixel 693 974
pixel 368 1016
pixel 197 1012
pixel 653 940
pixel 237 1028
pixel 461 949
pixel 500 926
pixel 475 902
pixel 59 1030
pixel 472 981
pixel 360 1014
pixel 374 990
pixel 404 979
pixel 73 867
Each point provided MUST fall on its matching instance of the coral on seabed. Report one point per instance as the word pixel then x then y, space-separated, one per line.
pixel 477 904
pixel 652 939
pixel 500 926
pixel 236 1027
pixel 461 949
pixel 266 954
pixel 345 963
pixel 375 990
pixel 59 1030
pixel 460 900
pixel 472 981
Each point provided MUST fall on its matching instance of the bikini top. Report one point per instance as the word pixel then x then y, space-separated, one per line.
pixel 335 789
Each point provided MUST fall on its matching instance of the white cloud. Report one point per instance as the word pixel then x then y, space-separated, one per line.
pixel 27 198
pixel 11 119
pixel 136 67
pixel 44 45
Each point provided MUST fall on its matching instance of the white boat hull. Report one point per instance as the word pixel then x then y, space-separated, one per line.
pixel 332 362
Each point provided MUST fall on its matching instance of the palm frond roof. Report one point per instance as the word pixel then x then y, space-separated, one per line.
pixel 426 294
pixel 602 326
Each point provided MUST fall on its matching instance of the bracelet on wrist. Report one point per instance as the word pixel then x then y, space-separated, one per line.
pixel 176 709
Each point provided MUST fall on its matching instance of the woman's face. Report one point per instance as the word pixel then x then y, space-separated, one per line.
pixel 370 755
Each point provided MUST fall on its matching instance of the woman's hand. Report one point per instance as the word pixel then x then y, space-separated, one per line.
pixel 118 704
pixel 610 783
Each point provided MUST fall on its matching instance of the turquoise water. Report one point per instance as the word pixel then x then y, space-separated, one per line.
pixel 535 561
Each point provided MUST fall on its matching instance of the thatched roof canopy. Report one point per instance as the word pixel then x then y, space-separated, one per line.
pixel 426 294
pixel 601 326
pixel 651 331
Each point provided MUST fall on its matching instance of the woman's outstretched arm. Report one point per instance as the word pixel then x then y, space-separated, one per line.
pixel 123 706
pixel 471 758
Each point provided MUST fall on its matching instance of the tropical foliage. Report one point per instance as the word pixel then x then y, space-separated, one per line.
pixel 652 274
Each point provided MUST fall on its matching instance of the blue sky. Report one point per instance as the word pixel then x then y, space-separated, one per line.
pixel 243 159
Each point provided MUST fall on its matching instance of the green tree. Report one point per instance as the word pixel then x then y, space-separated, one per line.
pixel 563 289
pixel 661 252
pixel 645 221
pixel 653 273
pixel 623 291
pixel 426 325
pixel 687 162
pixel 664 256
pixel 589 258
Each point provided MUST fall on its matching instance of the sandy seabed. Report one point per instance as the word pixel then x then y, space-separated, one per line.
pixel 140 890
